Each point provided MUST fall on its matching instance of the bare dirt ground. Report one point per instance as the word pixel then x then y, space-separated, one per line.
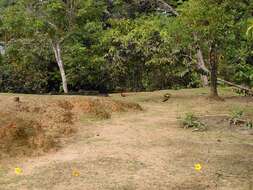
pixel 146 150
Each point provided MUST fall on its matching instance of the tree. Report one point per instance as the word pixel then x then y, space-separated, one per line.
pixel 213 24
pixel 110 44
pixel 54 21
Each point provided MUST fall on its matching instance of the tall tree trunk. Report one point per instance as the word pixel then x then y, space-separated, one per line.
pixel 201 64
pixel 200 61
pixel 213 73
pixel 58 57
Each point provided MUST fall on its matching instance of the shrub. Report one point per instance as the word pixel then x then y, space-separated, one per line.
pixel 248 125
pixel 191 121
pixel 236 116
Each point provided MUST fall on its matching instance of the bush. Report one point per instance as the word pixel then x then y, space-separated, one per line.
pixel 191 121
pixel 236 116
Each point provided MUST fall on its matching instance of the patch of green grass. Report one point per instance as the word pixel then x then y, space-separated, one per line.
pixel 236 115
pixel 249 125
pixel 248 110
pixel 88 118
pixel 226 91
pixel 191 121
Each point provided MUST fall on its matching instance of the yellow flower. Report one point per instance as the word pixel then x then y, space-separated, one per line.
pixel 18 171
pixel 198 167
pixel 76 173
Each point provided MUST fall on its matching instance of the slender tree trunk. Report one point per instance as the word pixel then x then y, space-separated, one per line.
pixel 200 61
pixel 201 64
pixel 213 73
pixel 58 57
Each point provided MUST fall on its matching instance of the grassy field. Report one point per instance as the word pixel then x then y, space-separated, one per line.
pixel 111 144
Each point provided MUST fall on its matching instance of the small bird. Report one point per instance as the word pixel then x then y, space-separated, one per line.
pixel 16 99
pixel 166 97
pixel 122 94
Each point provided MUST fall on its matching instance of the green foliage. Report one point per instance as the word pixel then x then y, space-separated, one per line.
pixel 141 54
pixel 236 116
pixel 248 125
pixel 220 25
pixel 191 121
pixel 244 74
pixel 125 45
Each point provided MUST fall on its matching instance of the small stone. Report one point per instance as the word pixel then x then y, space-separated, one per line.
pixel 16 99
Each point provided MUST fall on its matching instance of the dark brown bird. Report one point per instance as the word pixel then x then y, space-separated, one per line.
pixel 166 97
pixel 16 99
pixel 122 94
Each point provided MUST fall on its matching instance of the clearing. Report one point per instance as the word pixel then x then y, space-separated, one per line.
pixel 127 148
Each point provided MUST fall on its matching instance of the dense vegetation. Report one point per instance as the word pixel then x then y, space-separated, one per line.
pixel 107 45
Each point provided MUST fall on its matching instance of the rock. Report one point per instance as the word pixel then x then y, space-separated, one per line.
pixel 16 99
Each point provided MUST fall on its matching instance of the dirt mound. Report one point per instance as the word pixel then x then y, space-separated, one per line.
pixel 22 137
pixel 103 107
pixel 37 124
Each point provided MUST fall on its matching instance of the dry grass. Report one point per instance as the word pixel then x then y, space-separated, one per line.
pixel 141 150
pixel 22 137
pixel 36 124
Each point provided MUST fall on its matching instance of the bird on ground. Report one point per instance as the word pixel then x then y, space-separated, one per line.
pixel 122 94
pixel 166 97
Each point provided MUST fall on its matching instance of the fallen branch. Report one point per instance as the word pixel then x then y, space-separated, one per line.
pixel 203 68
pixel 201 65
pixel 236 85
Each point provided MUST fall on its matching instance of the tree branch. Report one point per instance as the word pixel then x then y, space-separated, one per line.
pixel 162 5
